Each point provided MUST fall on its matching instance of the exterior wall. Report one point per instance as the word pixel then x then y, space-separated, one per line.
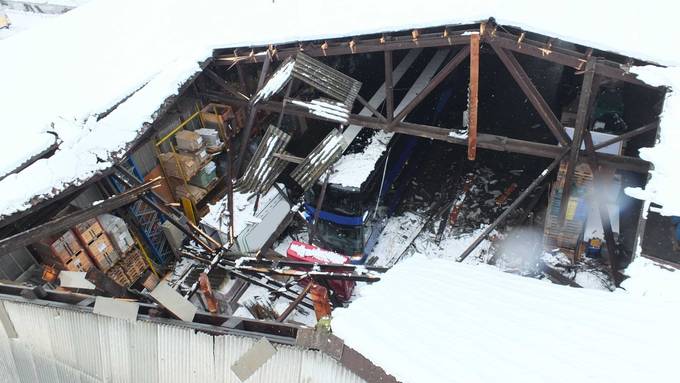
pixel 60 345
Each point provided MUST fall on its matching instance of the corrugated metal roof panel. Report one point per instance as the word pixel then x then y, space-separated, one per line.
pixel 264 168
pixel 326 79
pixel 58 345
pixel 319 160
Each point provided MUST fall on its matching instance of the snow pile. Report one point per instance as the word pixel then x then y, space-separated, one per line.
pixel 435 320
pixel 650 279
pixel 317 253
pixel 663 186
pixel 351 170
pixel 22 21
pixel 83 63
pixel 244 211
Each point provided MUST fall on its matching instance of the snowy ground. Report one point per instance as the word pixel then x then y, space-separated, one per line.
pixel 435 320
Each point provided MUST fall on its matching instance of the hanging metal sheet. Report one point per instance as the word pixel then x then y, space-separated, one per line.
pixel 314 73
pixel 328 109
pixel 319 160
pixel 326 79
pixel 264 167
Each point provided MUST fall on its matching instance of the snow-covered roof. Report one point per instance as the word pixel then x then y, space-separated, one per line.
pixel 435 320
pixel 61 76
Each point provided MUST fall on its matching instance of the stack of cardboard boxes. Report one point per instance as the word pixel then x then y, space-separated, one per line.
pixel 192 164
pixel 103 242
pixel 97 244
pixel 65 252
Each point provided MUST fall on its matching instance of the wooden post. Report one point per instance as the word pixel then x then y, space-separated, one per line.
pixel 319 204
pixel 223 84
pixel 252 112
pixel 436 80
pixel 512 207
pixel 389 87
pixel 582 122
pixel 473 97
pixel 601 201
pixel 533 95
pixel 628 135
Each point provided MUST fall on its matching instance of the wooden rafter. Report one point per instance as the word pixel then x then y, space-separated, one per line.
pixel 532 93
pixel 436 80
pixel 484 141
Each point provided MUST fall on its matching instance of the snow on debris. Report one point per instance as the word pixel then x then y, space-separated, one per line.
pixel 435 320
pixel 331 110
pixel 84 62
pixel 351 170
pixel 244 211
pixel 318 253
pixel 651 279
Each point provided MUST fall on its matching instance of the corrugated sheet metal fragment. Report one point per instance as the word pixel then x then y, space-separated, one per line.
pixel 326 108
pixel 319 160
pixel 59 345
pixel 326 79
pixel 322 77
pixel 277 81
pixel 264 168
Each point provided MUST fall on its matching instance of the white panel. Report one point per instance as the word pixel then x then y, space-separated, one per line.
pixel 56 345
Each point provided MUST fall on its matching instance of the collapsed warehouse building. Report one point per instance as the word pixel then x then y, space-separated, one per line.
pixel 280 176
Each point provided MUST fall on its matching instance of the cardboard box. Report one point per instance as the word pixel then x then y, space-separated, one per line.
pixel 188 140
pixel 117 230
pixel 194 193
pixel 80 262
pixel 102 253
pixel 179 165
pixel 61 249
pixel 89 230
pixel 205 176
pixel 211 137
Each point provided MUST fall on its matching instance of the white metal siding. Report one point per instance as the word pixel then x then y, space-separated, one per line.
pixel 55 345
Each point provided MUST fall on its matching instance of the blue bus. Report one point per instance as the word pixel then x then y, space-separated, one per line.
pixel 352 217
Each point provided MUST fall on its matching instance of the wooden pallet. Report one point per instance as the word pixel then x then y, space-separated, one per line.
pixel 568 237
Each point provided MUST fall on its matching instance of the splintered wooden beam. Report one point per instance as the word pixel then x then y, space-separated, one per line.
pixel 473 97
pixel 389 87
pixel 66 222
pixel 513 206
pixel 532 93
pixel 441 76
pixel 223 84
pixel 585 106
pixel 601 200
pixel 252 112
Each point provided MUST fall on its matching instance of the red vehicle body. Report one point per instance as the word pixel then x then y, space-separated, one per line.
pixel 305 252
